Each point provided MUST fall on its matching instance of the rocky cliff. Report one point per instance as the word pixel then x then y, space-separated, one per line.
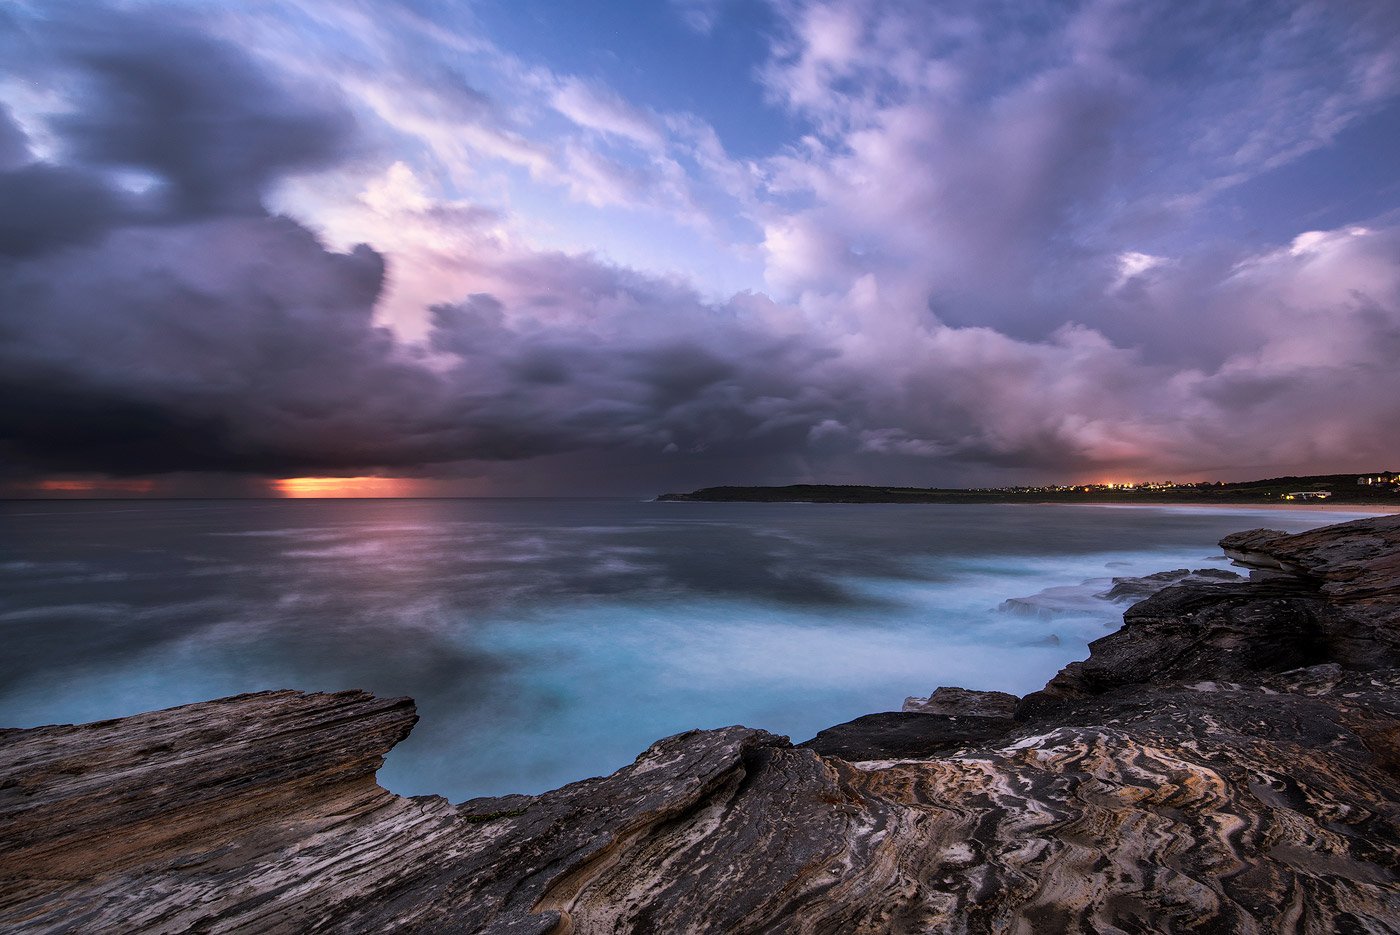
pixel 1228 761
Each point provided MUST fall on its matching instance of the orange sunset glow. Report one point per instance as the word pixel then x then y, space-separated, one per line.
pixel 305 487
pixel 76 485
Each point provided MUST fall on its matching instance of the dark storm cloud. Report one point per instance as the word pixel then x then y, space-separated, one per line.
pixel 138 338
pixel 193 346
pixel 564 387
pixel 50 206
pixel 198 114
pixel 47 206
pixel 241 344
pixel 165 123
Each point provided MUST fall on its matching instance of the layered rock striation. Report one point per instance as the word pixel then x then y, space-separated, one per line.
pixel 1228 761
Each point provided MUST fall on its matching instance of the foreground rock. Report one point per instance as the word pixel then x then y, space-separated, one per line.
pixel 1229 761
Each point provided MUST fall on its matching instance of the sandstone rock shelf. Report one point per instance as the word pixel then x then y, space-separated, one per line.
pixel 1228 761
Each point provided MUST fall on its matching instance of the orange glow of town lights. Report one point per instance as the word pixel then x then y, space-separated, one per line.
pixel 341 487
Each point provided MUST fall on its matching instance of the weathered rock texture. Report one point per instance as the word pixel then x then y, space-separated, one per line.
pixel 947 699
pixel 1229 761
pixel 1135 589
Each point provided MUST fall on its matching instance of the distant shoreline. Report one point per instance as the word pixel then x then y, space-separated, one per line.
pixel 1309 506
pixel 1380 493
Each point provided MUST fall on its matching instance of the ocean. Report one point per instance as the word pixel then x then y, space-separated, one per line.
pixel 551 640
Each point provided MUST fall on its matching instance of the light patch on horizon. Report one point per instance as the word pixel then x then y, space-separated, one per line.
pixel 343 487
pixel 94 486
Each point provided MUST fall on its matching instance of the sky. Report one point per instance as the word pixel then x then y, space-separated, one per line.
pixel 618 248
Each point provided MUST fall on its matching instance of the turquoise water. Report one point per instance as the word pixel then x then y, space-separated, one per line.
pixel 550 640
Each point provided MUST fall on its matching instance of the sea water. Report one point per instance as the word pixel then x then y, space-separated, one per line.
pixel 550 640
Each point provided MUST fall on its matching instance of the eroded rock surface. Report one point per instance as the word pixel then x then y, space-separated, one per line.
pixel 1136 589
pixel 948 699
pixel 1229 761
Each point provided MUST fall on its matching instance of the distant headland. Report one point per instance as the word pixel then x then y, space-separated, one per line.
pixel 1379 488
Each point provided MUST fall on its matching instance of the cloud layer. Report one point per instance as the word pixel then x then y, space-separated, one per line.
pixel 1001 248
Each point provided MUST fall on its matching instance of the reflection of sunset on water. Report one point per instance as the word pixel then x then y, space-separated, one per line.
pixel 342 487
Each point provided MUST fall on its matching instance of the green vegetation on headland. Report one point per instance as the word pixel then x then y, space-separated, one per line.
pixel 1377 488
